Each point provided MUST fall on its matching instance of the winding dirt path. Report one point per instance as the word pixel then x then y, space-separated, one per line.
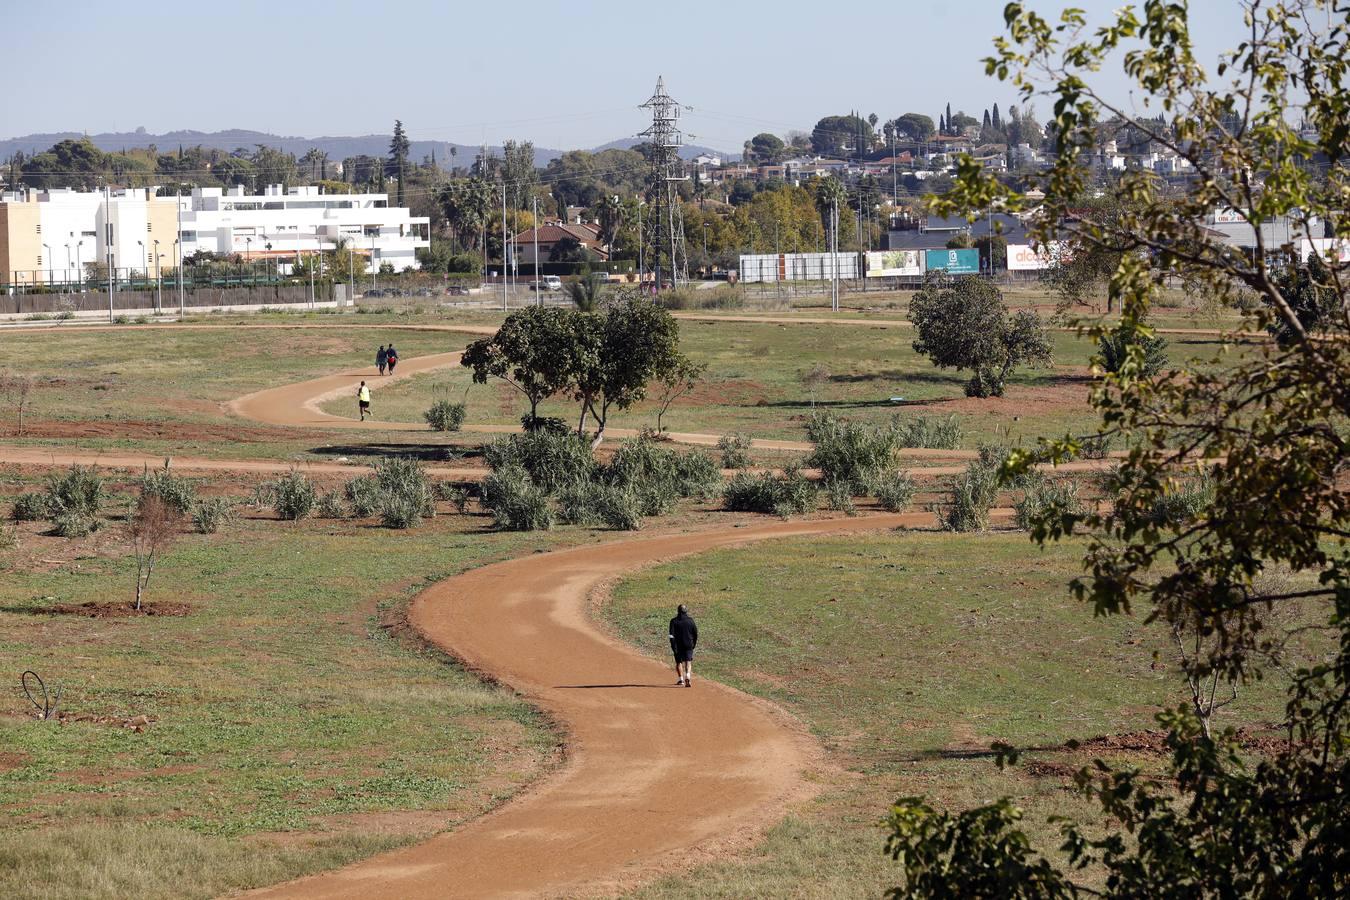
pixel 655 772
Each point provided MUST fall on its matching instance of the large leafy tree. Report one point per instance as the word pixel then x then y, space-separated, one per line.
pixel 842 135
pixel 915 127
pixel 765 149
pixel 1272 426
pixel 963 323
pixel 619 352
pixel 532 352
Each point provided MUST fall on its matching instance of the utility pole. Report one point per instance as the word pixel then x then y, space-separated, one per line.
pixel 503 242
pixel 665 140
pixel 534 203
pixel 108 238
pixel 834 255
pixel 182 302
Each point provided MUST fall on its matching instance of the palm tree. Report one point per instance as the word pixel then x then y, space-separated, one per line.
pixel 586 293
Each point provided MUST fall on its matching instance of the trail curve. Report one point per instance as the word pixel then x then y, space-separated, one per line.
pixel 653 770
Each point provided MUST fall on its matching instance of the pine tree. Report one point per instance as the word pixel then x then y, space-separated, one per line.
pixel 398 155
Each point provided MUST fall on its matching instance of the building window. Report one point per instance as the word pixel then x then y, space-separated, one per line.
pixel 147 227
pixel 39 228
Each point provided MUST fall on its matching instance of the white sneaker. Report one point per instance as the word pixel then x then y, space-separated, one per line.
pixel 679 682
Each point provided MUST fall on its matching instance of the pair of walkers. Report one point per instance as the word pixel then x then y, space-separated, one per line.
pixel 386 358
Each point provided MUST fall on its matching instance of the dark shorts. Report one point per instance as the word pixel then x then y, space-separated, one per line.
pixel 682 655
pixel 364 404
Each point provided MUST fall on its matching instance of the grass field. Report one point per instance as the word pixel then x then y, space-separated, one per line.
pixel 907 654
pixel 754 385
pixel 288 730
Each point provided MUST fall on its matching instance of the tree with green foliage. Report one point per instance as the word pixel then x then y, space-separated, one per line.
pixel 963 323
pixel 466 204
pixel 399 147
pixel 842 135
pixel 765 149
pixel 619 352
pixel 533 352
pixel 915 127
pixel 1219 820
pixel 1311 289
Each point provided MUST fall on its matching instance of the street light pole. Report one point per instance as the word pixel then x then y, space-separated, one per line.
pixel 372 261
pixel 159 282
pixel 534 202
pixel 50 271
pixel 503 245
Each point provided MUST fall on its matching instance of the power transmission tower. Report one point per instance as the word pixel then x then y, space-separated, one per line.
pixel 664 141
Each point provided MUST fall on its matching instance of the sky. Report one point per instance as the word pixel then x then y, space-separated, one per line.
pixel 564 75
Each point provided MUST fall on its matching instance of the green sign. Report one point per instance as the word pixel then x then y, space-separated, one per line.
pixel 954 262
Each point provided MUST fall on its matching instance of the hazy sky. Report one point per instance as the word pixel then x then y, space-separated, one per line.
pixel 562 74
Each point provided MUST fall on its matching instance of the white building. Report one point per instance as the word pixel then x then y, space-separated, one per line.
pixel 52 236
pixel 279 223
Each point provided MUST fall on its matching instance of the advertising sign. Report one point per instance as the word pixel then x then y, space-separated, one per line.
pixel 1228 216
pixel 894 264
pixel 954 262
pixel 1025 258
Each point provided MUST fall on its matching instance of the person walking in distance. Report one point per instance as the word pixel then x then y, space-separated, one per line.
pixel 381 358
pixel 391 358
pixel 363 400
pixel 683 639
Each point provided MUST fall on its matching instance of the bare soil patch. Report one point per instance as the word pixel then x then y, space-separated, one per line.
pixel 117 609
pixel 132 429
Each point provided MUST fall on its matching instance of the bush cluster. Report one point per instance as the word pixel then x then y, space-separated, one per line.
pixel 1044 497
pixel 971 496
pixel 293 496
pixel 781 495
pixel 210 514
pixel 71 501
pixel 539 477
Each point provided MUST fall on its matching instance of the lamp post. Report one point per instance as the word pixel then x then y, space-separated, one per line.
pixel 248 255
pixel 67 278
pixel 159 282
pixel 79 266
pixel 48 248
pixel 372 260
pixel 707 262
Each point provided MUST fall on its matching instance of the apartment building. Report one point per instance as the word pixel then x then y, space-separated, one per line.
pixel 52 236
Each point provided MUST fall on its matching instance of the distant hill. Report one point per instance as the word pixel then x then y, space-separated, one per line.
pixel 688 151
pixel 337 147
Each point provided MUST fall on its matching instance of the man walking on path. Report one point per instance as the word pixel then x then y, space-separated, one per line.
pixel 391 357
pixel 363 400
pixel 683 638
pixel 381 358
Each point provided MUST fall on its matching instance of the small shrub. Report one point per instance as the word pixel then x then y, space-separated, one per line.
pixel 548 424
pixel 445 415
pixel 1098 446
pixel 363 496
pixel 73 524
pixel 515 501
pixel 839 497
pixel 65 315
pixel 851 454
pixel 448 492
pixel 894 491
pixel 699 477
pixel 1113 349
pixel 972 495
pixel 294 496
pixel 1184 503
pixel 330 506
pixel 121 320
pixel 600 504
pixel 210 514
pixel 176 493
pixel 9 537
pixel 781 495
pixel 31 507
pixel 405 492
pixel 735 451
pixel 1045 497
pixel 994 456
pixel 551 460
pixel 78 492
pixel 660 476
pixel 936 434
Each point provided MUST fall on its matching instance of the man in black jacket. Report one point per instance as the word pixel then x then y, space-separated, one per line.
pixel 683 638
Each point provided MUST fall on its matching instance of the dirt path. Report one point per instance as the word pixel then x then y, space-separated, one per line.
pixel 654 771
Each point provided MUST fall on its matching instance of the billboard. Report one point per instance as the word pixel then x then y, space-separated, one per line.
pixel 894 263
pixel 770 267
pixel 954 262
pixel 1228 216
pixel 1332 250
pixel 1026 258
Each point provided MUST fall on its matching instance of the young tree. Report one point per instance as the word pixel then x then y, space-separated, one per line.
pixel 17 389
pixel 152 529
pixel 678 378
pixel 1217 822
pixel 963 323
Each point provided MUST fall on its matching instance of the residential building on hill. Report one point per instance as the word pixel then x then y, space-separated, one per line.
pixel 555 235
